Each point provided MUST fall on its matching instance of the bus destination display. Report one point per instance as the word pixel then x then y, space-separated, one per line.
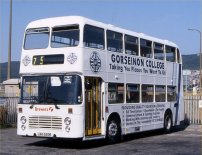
pixel 48 59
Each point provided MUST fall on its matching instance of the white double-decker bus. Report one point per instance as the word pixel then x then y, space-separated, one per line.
pixel 85 79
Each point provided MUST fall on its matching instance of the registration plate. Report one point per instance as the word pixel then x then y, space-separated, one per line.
pixel 43 134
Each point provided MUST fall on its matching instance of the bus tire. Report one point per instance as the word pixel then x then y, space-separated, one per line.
pixel 168 122
pixel 113 131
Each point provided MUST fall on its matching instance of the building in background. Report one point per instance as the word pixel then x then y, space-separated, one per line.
pixel 191 82
pixel 11 88
pixel 2 90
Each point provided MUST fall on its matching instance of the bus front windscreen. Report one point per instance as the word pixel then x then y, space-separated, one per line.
pixel 54 89
pixel 37 38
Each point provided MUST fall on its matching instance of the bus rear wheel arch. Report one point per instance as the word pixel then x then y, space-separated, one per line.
pixel 113 131
pixel 168 121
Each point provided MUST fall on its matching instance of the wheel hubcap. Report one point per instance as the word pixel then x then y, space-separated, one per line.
pixel 168 123
pixel 113 129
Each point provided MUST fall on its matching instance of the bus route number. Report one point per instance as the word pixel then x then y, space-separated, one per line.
pixel 38 60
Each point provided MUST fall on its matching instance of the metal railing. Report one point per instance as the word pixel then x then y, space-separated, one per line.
pixel 193 109
pixel 8 110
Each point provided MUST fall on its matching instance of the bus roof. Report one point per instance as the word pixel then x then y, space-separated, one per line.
pixel 66 20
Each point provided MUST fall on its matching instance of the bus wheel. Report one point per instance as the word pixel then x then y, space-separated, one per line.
pixel 113 131
pixel 167 123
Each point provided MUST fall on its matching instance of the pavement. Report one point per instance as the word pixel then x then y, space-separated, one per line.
pixel 182 141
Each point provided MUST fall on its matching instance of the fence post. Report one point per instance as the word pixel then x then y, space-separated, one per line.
pixel 192 110
pixel 8 112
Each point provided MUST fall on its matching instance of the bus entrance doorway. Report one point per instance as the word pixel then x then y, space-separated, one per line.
pixel 92 106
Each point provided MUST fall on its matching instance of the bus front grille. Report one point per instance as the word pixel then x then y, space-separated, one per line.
pixel 45 122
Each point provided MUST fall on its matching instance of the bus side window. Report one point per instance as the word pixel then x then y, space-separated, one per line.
pixel 171 93
pixel 133 93
pixel 147 93
pixel 93 37
pixel 116 92
pixel 114 41
pixel 145 48
pixel 158 51
pixel 131 45
pixel 160 93
pixel 65 36
pixel 170 53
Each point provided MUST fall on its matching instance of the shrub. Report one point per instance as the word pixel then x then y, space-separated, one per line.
pixel 3 114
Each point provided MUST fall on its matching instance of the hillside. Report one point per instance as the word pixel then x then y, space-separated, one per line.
pixel 15 66
pixel 189 62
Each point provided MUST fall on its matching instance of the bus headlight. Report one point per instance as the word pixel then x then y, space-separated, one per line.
pixel 23 119
pixel 67 121
pixel 23 127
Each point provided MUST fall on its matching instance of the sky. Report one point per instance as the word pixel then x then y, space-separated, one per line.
pixel 165 19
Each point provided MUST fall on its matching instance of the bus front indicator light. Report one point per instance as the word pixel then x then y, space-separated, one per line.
pixel 20 110
pixel 70 110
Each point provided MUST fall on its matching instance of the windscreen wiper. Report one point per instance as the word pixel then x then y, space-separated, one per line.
pixel 56 106
pixel 53 100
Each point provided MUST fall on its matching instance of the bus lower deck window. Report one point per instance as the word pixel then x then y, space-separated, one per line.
pixel 171 93
pixel 160 93
pixel 133 93
pixel 116 92
pixel 147 93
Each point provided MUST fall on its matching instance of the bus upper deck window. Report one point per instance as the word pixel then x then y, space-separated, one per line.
pixel 145 48
pixel 114 41
pixel 170 53
pixel 131 45
pixel 93 37
pixel 158 51
pixel 36 38
pixel 65 36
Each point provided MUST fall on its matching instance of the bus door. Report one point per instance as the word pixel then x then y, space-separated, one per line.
pixel 92 106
